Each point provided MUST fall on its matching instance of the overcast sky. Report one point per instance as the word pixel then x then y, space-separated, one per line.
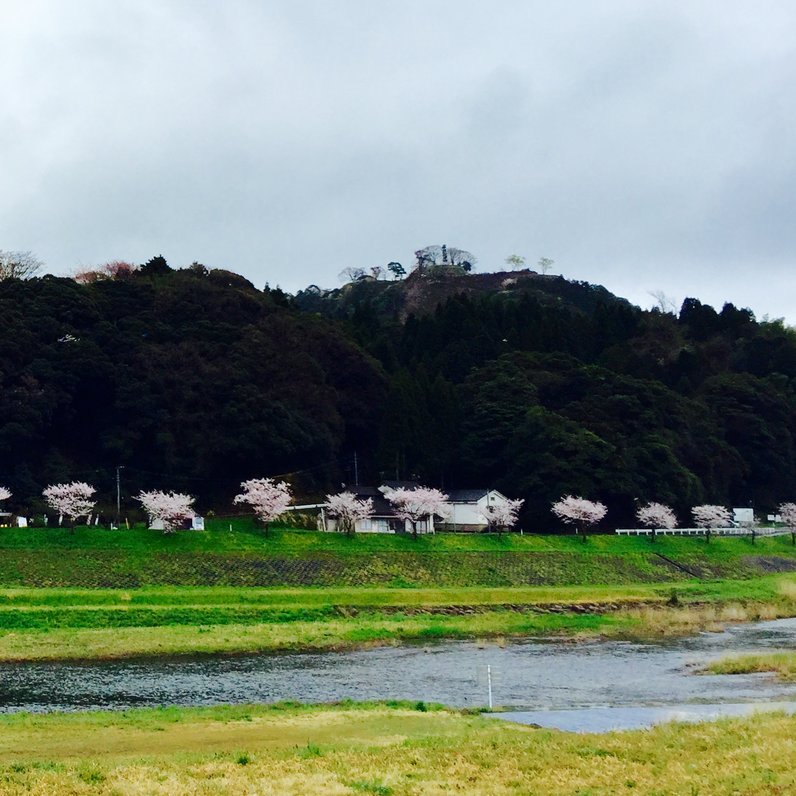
pixel 641 145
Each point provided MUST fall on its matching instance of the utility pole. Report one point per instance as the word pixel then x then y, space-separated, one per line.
pixel 356 470
pixel 119 468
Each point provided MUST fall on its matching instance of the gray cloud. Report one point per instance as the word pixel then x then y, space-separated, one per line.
pixel 641 145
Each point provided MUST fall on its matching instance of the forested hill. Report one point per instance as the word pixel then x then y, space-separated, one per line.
pixel 538 386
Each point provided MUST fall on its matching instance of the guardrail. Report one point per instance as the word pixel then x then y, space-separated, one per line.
pixel 702 531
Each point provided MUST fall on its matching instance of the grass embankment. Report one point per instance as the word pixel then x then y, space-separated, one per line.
pixel 783 664
pixel 99 593
pixel 383 750
pixel 39 624
pixel 98 558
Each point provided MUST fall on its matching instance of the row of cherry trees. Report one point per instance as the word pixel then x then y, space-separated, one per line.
pixel 269 499
pixel 583 514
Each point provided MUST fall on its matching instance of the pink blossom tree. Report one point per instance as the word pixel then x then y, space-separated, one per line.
pixel 348 510
pixel 709 517
pixel 171 508
pixel 421 503
pixel 656 515
pixel 788 513
pixel 73 500
pixel 5 493
pixel 502 515
pixel 579 512
pixel 267 497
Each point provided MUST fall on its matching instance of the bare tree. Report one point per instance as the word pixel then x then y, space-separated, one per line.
pixel 19 265
pixel 428 255
pixel 515 261
pixel 461 257
pixel 351 274
pixel 663 302
pixel 545 264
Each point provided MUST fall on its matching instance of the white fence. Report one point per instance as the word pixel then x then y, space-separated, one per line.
pixel 702 531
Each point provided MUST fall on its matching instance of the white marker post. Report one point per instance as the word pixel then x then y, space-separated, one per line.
pixel 489 683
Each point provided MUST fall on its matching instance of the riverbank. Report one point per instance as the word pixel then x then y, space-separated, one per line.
pixel 69 624
pixel 387 750
pixel 236 553
pixel 783 664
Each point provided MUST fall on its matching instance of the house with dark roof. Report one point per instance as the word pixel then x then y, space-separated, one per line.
pixel 467 508
pixel 465 512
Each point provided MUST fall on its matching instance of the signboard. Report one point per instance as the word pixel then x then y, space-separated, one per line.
pixel 197 523
pixel 744 516
pixel 22 522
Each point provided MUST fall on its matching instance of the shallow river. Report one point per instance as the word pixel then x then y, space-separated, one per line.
pixel 546 677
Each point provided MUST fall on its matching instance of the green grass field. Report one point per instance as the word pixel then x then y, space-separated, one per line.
pixel 387 750
pixel 80 623
pixel 98 558
pixel 98 593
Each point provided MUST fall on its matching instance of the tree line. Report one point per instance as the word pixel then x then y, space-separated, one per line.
pixel 534 385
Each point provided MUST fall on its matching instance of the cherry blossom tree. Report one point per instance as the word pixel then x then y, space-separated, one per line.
pixel 709 517
pixel 414 505
pixel 73 500
pixel 502 515
pixel 788 513
pixel 579 512
pixel 267 497
pixel 348 510
pixel 656 515
pixel 171 508
pixel 5 494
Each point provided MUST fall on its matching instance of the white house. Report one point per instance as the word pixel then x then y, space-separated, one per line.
pixel 467 508
pixel 383 519
pixel 465 514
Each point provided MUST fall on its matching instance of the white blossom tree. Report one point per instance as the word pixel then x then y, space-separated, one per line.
pixel 171 508
pixel 709 517
pixel 348 510
pixel 502 515
pixel 5 493
pixel 267 497
pixel 421 503
pixel 72 500
pixel 788 513
pixel 579 512
pixel 656 515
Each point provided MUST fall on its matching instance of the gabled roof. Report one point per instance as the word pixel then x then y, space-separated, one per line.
pixel 401 484
pixel 467 495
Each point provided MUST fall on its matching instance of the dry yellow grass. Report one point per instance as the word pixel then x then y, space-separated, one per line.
pixel 670 621
pixel 388 752
pixel 781 663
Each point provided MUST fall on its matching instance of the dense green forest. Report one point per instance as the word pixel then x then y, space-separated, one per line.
pixel 194 379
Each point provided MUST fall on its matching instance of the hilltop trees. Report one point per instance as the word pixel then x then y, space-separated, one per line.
pixel 19 265
pixel 441 255
pixel 170 508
